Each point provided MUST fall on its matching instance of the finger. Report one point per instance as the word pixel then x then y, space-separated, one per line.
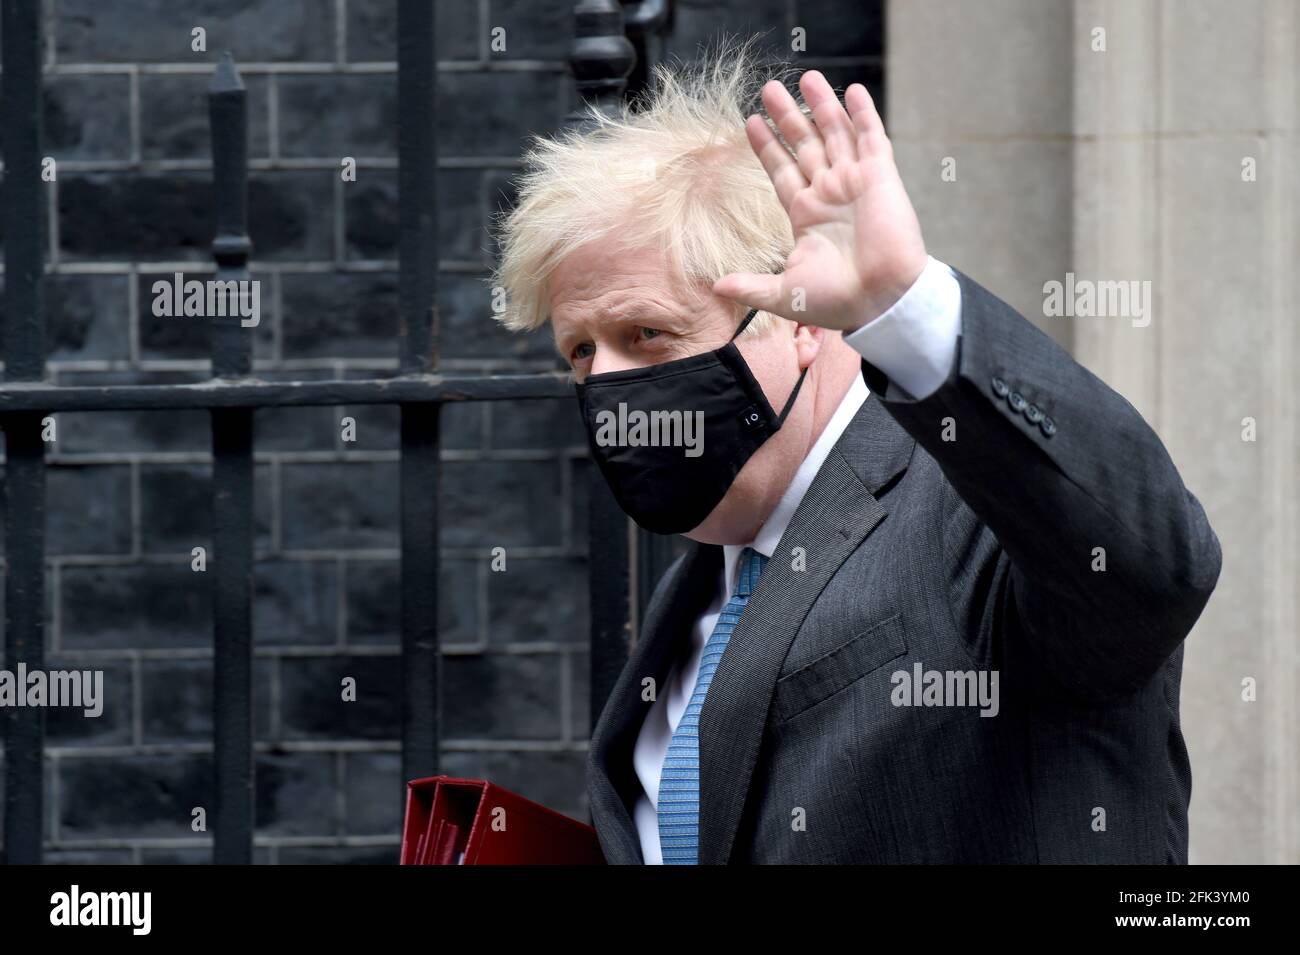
pixel 776 159
pixel 755 290
pixel 832 122
pixel 866 121
pixel 805 142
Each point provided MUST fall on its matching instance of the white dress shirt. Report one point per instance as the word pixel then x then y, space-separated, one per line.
pixel 914 343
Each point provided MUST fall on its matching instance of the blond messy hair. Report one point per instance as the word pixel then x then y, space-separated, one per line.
pixel 674 172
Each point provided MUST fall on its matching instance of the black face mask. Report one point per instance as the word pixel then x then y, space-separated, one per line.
pixel 670 438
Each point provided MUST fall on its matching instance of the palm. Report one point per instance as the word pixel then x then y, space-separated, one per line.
pixel 858 245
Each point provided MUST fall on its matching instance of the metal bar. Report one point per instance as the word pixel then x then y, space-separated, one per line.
pixel 654 554
pixel 232 569
pixel 608 577
pixel 24 193
pixel 417 158
pixel 601 59
pixel 232 487
pixel 421 659
pixel 24 199
pixel 251 393
pixel 417 150
pixel 24 727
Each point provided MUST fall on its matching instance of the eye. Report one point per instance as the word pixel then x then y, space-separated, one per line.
pixel 650 332
pixel 578 353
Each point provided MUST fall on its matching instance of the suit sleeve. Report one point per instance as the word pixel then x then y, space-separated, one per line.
pixel 1099 559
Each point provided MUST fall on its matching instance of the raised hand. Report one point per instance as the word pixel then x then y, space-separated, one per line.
pixel 858 244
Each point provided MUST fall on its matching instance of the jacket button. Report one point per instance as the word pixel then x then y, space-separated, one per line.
pixel 1032 414
pixel 1047 426
pixel 1017 401
pixel 1000 387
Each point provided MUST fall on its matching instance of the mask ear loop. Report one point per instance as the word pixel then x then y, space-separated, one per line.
pixel 780 419
pixel 744 324
pixel 752 312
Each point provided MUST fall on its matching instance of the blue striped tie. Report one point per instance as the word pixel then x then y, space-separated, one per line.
pixel 679 780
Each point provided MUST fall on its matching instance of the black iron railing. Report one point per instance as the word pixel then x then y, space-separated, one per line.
pixel 602 59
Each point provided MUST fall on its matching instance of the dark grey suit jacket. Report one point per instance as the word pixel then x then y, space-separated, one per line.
pixel 973 554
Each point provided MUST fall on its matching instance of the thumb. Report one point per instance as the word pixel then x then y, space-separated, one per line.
pixel 756 290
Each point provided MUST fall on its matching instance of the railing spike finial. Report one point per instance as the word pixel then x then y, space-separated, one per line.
pixel 226 78
pixel 228 115
pixel 602 57
pixel 231 247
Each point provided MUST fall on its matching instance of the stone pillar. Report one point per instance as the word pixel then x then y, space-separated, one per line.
pixel 1168 157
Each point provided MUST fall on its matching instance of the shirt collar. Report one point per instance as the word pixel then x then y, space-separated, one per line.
pixel 769 535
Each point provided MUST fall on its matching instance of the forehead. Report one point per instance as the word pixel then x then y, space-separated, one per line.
pixel 596 276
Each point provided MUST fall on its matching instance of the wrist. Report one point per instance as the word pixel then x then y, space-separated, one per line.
pixel 885 296
pixel 914 342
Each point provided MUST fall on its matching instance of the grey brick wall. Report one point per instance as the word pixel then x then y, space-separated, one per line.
pixel 126 119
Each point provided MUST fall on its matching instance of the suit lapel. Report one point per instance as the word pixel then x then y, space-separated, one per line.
pixel 612 783
pixel 836 514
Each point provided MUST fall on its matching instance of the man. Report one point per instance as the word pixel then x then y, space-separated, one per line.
pixel 940 574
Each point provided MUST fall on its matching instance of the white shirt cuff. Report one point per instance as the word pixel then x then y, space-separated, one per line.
pixel 915 341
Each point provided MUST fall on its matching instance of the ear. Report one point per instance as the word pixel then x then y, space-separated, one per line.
pixel 808 342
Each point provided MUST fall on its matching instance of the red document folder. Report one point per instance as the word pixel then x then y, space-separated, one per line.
pixel 474 822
